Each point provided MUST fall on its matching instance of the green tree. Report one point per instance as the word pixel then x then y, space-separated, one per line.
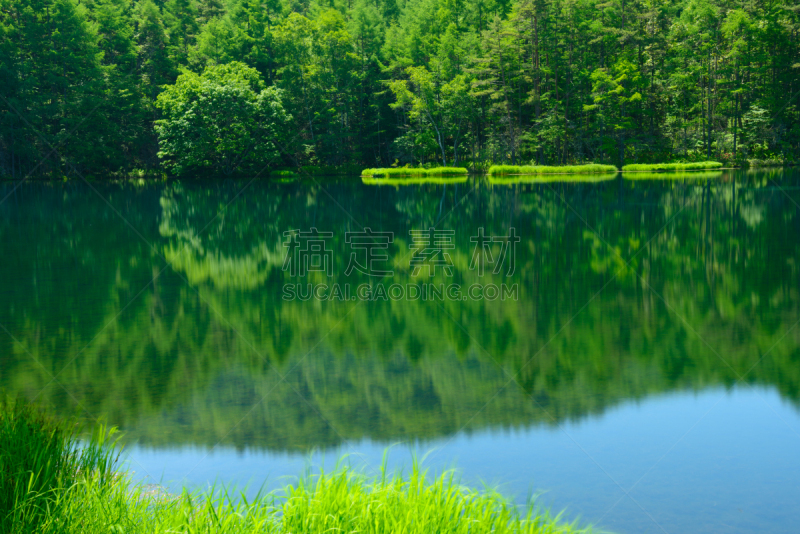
pixel 612 91
pixel 51 81
pixel 181 24
pixel 221 121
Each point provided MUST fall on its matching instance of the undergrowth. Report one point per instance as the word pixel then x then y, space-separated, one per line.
pixel 53 483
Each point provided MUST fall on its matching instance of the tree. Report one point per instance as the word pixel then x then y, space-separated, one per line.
pixel 612 90
pixel 443 106
pixel 181 24
pixel 221 121
pixel 52 80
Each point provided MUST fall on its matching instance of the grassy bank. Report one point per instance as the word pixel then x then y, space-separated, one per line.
pixel 40 457
pixel 699 165
pixel 407 171
pixel 52 483
pixel 591 168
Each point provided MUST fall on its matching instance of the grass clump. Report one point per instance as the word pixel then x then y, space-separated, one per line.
pixel 54 484
pixel 41 457
pixel 589 168
pixel 341 501
pixel 672 166
pixel 408 171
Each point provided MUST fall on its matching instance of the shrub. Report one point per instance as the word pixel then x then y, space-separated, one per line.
pixel 770 162
pixel 222 121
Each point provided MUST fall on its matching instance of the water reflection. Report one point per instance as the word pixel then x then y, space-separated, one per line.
pixel 673 175
pixel 178 331
pixel 442 180
pixel 550 178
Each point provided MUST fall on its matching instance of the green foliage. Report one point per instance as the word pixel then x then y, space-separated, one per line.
pixel 347 502
pixel 52 483
pixel 497 170
pixel 448 82
pixel 672 166
pixel 222 121
pixel 769 162
pixel 403 171
pixel 50 82
pixel 40 459
pixel 330 170
pixel 342 500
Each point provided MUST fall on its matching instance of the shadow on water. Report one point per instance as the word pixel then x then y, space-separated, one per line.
pixel 415 180
pixel 550 178
pixel 673 175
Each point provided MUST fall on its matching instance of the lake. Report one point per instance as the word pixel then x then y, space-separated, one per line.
pixel 624 348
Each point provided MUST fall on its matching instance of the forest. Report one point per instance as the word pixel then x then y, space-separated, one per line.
pixel 105 88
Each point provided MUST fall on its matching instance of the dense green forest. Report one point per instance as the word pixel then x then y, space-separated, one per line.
pixel 231 86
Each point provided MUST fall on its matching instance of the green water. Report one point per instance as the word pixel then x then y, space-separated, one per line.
pixel 160 307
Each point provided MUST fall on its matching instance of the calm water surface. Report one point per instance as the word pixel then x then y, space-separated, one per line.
pixel 646 379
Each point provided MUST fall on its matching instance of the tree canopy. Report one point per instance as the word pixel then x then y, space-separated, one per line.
pixel 223 120
pixel 410 81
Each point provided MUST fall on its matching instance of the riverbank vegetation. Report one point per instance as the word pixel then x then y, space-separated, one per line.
pixel 52 482
pixel 769 162
pixel 368 83
pixel 418 171
pixel 649 167
pixel 40 457
pixel 591 168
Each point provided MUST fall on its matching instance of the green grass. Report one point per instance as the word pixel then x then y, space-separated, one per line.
pixel 672 166
pixel 590 168
pixel 407 171
pixel 342 501
pixel 39 457
pixel 52 484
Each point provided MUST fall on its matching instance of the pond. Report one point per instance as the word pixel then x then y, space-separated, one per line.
pixel 627 350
